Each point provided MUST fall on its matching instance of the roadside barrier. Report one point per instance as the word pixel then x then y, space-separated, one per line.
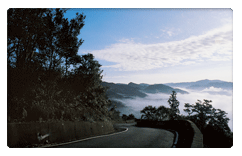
pixel 33 134
pixel 197 141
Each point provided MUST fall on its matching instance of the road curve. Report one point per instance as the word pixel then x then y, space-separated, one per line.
pixel 134 137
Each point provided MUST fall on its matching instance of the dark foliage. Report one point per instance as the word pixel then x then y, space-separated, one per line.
pixel 46 78
pixel 155 114
pixel 128 117
pixel 212 122
pixel 215 137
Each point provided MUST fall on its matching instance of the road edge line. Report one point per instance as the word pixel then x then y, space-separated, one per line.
pixel 99 136
pixel 175 140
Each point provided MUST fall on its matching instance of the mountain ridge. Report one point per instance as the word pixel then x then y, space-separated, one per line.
pixel 203 84
pixel 131 90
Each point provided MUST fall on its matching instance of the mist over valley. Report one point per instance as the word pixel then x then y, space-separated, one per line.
pixel 131 98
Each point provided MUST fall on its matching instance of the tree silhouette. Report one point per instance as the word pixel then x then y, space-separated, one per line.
pixel 124 117
pixel 174 104
pixel 47 79
pixel 205 114
pixel 131 117
pixel 162 113
pixel 212 122
pixel 148 113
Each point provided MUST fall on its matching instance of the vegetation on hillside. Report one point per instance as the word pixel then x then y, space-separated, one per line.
pixel 46 78
pixel 161 88
pixel 213 123
pixel 120 91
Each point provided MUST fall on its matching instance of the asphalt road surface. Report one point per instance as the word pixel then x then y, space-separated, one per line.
pixel 134 137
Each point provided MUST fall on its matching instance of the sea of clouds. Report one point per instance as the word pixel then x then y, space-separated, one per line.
pixel 221 99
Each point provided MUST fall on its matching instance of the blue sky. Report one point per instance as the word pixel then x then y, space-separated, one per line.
pixel 159 45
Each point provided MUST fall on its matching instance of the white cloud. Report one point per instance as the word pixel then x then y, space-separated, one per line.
pixel 213 89
pixel 170 31
pixel 188 62
pixel 215 45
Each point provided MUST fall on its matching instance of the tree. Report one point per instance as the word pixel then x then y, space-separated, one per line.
pixel 42 46
pixel 205 115
pixel 212 122
pixel 68 38
pixel 42 31
pixel 218 118
pixel 86 82
pixel 162 113
pixel 25 28
pixel 124 117
pixel 47 79
pixel 115 114
pixel 131 117
pixel 202 112
pixel 174 104
pixel 148 113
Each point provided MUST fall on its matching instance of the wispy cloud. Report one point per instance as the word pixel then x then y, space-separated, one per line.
pixel 170 32
pixel 215 45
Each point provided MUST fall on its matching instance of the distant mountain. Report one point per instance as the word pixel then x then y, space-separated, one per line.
pixel 131 90
pixel 139 86
pixel 160 88
pixel 203 84
pixel 122 91
pixel 131 84
pixel 144 84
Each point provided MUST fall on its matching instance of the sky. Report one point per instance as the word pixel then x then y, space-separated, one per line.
pixel 159 45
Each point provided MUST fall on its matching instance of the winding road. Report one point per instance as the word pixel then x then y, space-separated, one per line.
pixel 133 137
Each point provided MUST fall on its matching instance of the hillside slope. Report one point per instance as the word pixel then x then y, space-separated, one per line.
pixel 122 91
pixel 160 88
pixel 131 90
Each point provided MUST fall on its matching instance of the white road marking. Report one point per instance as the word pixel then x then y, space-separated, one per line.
pixel 176 139
pixel 85 139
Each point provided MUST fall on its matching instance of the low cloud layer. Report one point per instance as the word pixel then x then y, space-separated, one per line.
pixel 219 101
pixel 215 45
pixel 218 91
